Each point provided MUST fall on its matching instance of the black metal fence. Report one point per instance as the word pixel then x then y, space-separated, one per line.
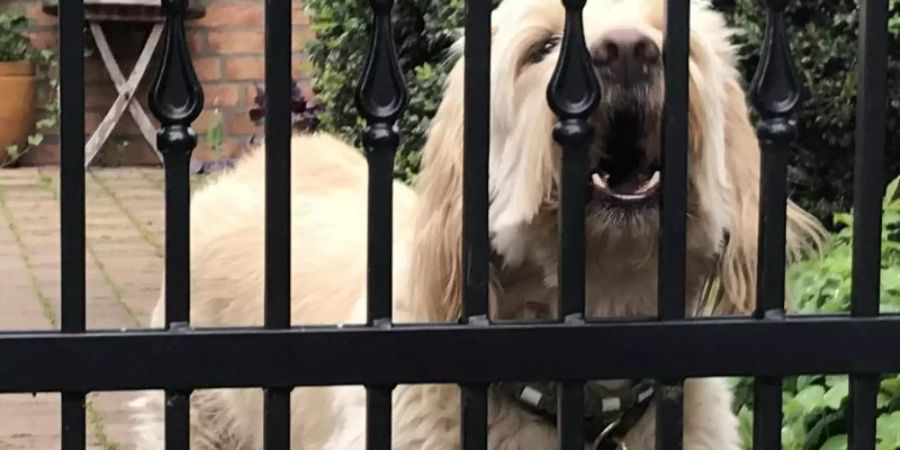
pixel 671 348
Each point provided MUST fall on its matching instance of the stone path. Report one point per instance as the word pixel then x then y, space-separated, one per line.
pixel 125 219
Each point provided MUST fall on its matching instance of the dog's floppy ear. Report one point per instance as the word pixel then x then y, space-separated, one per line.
pixel 737 272
pixel 436 259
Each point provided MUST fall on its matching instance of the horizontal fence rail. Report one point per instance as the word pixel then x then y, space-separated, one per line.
pixel 476 351
pixel 446 353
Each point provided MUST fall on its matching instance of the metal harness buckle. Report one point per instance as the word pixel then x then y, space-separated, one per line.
pixel 606 432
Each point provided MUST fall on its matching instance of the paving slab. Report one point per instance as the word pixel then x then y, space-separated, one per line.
pixel 123 262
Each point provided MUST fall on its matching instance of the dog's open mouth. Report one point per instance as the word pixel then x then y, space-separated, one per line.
pixel 626 175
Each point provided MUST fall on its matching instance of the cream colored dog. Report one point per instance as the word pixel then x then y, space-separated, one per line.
pixel 329 231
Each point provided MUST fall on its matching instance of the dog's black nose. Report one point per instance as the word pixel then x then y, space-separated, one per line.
pixel 625 56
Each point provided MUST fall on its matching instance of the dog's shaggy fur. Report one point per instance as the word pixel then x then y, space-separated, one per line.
pixel 329 232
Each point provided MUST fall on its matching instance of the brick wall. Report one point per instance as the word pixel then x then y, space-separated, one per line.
pixel 227 48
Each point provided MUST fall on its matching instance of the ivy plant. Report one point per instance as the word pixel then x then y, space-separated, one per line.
pixel 815 406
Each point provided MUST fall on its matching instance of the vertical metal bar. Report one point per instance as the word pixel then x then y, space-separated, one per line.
pixel 673 209
pixel 378 417
pixel 276 403
pixel 476 135
pixel 72 203
pixel 573 94
pixel 278 164
pixel 176 100
pixel 474 405
pixel 476 241
pixel 767 414
pixel 868 191
pixel 673 203
pixel 570 421
pixel 669 398
pixel 775 92
pixel 381 97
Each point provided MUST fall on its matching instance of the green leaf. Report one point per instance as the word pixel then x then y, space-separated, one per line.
pixel 46 122
pixel 810 398
pixel 891 386
pixel 843 219
pixel 838 442
pixel 888 428
pixel 836 394
pixel 891 191
pixel 35 139
pixel 12 151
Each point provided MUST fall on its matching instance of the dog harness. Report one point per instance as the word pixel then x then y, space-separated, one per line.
pixel 608 413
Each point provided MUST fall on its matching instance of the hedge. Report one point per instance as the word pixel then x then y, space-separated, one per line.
pixel 824 44
pixel 823 34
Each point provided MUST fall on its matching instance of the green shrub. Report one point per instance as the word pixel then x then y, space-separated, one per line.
pixel 815 406
pixel 423 31
pixel 824 44
pixel 823 36
pixel 14 44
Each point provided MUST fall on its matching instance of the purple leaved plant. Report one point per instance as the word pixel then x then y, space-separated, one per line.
pixel 304 111
pixel 304 119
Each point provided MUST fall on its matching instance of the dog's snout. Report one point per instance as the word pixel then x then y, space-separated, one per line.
pixel 626 55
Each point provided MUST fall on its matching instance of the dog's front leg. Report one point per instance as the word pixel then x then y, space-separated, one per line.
pixel 709 423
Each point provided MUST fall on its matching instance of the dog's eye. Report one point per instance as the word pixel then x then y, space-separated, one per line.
pixel 542 49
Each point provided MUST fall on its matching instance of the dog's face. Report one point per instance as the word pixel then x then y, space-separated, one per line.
pixel 624 39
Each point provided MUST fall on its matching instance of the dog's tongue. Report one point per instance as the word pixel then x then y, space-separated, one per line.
pixel 629 184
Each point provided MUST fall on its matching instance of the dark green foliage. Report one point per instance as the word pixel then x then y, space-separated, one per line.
pixel 423 32
pixel 14 44
pixel 824 44
pixel 823 35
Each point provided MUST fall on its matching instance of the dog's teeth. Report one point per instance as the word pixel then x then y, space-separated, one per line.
pixel 649 184
pixel 598 180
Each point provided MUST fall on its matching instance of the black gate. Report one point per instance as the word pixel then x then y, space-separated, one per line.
pixel 670 349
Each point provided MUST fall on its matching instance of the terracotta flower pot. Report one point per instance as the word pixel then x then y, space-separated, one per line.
pixel 18 84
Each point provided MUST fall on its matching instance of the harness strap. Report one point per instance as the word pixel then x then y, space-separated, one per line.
pixel 608 413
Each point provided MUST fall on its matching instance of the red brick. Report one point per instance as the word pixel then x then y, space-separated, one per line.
pixel 208 68
pixel 236 42
pixel 94 72
pixel 298 16
pixel 35 13
pixel 233 14
pixel 137 152
pixel 221 94
pixel 206 118
pixel 300 37
pixel 250 94
pixel 239 123
pixel 43 38
pixel 91 121
pixel 99 97
pixel 196 40
pixel 244 68
pixel 45 155
pixel 205 152
pixel 127 126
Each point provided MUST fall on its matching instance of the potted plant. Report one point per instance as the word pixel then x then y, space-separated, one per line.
pixel 18 82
